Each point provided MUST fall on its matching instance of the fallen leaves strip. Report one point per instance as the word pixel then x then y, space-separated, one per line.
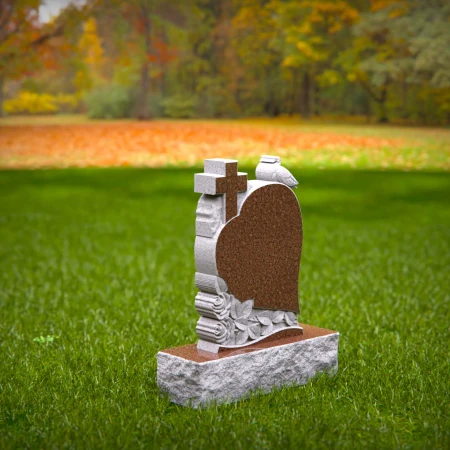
pixel 156 144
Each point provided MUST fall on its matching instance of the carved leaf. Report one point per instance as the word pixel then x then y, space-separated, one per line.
pixel 235 304
pixel 242 324
pixel 241 337
pixel 231 339
pixel 264 320
pixel 265 330
pixel 229 323
pixel 278 316
pixel 290 318
pixel 245 309
pixel 254 331
pixel 267 314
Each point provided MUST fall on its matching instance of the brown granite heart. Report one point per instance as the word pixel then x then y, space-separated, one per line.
pixel 258 252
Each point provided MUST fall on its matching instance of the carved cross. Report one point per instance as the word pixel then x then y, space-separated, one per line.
pixel 221 177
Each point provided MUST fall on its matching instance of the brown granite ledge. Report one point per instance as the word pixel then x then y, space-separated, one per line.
pixel 191 353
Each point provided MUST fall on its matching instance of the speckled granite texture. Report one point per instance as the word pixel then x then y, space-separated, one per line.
pixel 258 252
pixel 236 375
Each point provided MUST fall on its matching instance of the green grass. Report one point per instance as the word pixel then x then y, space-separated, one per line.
pixel 100 264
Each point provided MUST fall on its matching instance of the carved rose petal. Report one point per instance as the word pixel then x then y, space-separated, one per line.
pixel 220 304
pixel 221 332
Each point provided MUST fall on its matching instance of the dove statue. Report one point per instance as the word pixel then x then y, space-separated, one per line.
pixel 270 169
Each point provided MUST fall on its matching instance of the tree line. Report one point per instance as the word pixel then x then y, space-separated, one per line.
pixel 383 59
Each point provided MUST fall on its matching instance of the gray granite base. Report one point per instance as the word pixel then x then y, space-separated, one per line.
pixel 233 377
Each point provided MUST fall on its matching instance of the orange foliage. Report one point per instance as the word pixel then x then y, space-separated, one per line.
pixel 377 5
pixel 160 143
pixel 162 53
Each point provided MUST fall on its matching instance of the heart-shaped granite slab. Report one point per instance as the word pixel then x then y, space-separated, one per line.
pixel 258 252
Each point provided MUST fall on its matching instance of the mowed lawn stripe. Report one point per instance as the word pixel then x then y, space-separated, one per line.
pixel 101 262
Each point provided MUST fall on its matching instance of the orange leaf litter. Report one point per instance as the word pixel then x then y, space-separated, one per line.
pixel 156 144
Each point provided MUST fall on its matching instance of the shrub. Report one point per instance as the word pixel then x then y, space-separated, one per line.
pixel 179 106
pixel 66 103
pixel 155 105
pixel 109 102
pixel 32 103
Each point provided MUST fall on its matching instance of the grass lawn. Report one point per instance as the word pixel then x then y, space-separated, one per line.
pixel 103 259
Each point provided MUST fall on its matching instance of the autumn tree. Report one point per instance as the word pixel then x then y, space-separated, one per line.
pixel 25 43
pixel 147 23
pixel 90 57
pixel 19 35
pixel 232 58
pixel 311 38
pixel 258 57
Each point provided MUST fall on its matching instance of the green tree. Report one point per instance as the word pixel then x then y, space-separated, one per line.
pixel 256 41
pixel 400 43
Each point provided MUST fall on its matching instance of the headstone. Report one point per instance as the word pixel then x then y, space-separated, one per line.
pixel 247 251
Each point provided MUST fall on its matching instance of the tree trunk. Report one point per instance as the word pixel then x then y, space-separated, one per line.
pixel 144 111
pixel 2 84
pixel 380 99
pixel 306 101
pixel 293 99
pixel 404 99
pixel 368 111
pixel 315 99
pixel 382 104
pixel 163 77
pixel 271 107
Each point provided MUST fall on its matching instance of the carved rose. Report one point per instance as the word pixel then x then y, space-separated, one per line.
pixel 221 332
pixel 242 323
pixel 222 303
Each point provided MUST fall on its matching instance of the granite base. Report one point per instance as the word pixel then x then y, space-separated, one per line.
pixel 192 377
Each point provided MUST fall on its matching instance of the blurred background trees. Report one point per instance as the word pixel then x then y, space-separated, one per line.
pixel 382 59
